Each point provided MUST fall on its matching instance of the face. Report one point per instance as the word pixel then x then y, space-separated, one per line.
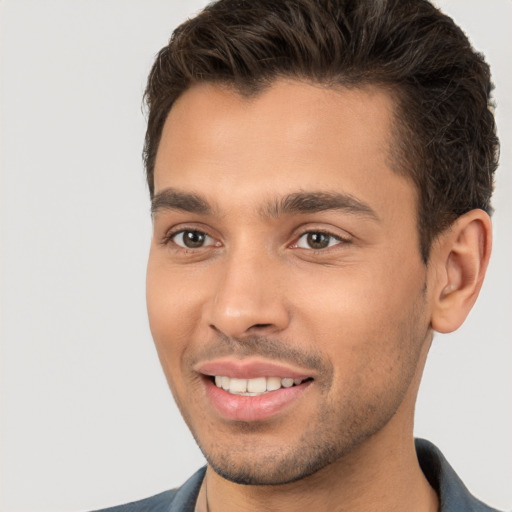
pixel 285 288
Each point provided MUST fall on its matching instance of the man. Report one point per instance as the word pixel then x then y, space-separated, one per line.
pixel 320 175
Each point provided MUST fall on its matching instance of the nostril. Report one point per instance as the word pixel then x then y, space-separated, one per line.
pixel 260 326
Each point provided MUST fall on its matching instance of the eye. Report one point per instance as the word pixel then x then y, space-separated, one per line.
pixel 191 239
pixel 317 240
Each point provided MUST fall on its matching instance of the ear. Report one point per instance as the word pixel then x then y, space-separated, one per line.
pixel 460 259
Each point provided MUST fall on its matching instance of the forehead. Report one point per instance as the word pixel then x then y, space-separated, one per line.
pixel 292 136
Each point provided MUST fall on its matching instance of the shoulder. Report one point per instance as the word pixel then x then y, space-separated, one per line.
pixel 157 503
pixel 453 494
pixel 182 499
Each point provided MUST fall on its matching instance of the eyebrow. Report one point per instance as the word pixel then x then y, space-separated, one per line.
pixel 313 202
pixel 172 199
pixel 298 202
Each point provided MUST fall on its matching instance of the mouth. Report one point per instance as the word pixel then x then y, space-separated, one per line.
pixel 257 386
pixel 253 390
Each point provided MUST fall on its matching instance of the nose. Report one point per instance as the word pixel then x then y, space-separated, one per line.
pixel 248 298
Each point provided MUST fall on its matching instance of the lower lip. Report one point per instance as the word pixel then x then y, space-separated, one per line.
pixel 253 408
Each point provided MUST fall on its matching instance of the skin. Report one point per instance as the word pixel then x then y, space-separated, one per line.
pixel 357 315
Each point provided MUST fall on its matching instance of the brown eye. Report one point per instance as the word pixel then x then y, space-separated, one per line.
pixel 317 240
pixel 191 239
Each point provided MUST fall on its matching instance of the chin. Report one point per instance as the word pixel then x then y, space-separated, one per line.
pixel 271 471
pixel 252 463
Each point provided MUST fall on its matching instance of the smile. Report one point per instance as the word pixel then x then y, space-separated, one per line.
pixel 255 399
pixel 255 387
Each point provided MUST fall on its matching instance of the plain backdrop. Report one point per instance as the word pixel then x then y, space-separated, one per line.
pixel 86 417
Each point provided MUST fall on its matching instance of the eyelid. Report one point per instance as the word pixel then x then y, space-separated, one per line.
pixel 341 239
pixel 330 244
pixel 208 240
pixel 170 235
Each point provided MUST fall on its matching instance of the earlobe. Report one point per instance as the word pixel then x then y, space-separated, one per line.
pixel 461 258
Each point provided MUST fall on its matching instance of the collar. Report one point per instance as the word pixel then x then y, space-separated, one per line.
pixel 453 494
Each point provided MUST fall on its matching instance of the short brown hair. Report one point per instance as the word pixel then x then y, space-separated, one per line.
pixel 445 131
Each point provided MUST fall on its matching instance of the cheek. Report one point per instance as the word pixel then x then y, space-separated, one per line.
pixel 367 322
pixel 346 304
pixel 173 311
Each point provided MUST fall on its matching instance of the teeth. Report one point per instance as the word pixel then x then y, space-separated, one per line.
pixel 238 385
pixel 273 383
pixel 253 387
pixel 287 382
pixel 257 385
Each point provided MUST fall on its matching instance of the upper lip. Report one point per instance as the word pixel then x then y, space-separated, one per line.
pixel 249 369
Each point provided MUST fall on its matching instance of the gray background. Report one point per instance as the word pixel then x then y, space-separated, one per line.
pixel 86 417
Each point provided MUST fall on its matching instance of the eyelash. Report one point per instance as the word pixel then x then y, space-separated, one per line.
pixel 170 238
pixel 339 240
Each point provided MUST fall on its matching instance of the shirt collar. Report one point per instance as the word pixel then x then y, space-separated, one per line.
pixel 453 494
